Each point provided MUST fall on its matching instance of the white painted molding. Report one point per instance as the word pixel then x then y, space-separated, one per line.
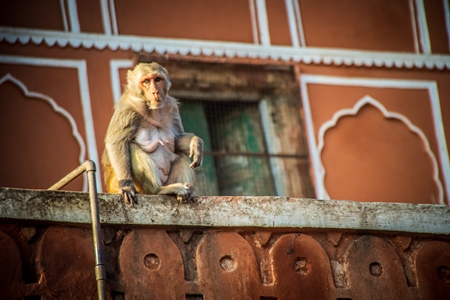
pixel 105 17
pixel 114 66
pixel 301 32
pixel 423 27
pixel 447 20
pixel 112 10
pixel 58 109
pixel 64 15
pixel 430 86
pixel 305 55
pixel 388 115
pixel 80 66
pixel 290 11
pixel 253 17
pixel 109 19
pixel 263 23
pixel 73 16
pixel 412 13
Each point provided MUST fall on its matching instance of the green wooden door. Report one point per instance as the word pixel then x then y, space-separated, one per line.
pixel 233 131
pixel 239 130
pixel 194 120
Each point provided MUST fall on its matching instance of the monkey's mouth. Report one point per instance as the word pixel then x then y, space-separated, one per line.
pixel 156 103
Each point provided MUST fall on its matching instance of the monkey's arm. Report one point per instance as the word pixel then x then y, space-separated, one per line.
pixel 120 132
pixel 187 143
pixel 192 145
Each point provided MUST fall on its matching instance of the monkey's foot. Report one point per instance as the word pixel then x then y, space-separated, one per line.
pixel 183 191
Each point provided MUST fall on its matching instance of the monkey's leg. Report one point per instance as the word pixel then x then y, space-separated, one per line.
pixel 181 179
pixel 183 191
pixel 143 171
pixel 112 184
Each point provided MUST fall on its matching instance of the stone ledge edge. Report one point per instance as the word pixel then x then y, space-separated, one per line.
pixel 220 211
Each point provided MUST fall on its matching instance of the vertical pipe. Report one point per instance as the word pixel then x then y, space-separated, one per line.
pixel 89 167
pixel 100 273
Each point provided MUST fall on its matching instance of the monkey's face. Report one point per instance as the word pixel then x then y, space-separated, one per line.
pixel 154 89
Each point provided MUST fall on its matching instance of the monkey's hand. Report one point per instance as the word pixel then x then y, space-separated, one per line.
pixel 128 191
pixel 196 152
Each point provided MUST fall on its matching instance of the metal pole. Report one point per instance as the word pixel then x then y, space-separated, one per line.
pixel 69 177
pixel 100 272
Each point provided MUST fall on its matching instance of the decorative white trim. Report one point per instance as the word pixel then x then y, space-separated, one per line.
pixel 76 134
pixel 412 13
pixel 305 55
pixel 114 66
pixel 430 86
pixel 301 32
pixel 447 20
pixel 253 17
pixel 64 15
pixel 73 16
pixel 80 66
pixel 112 9
pixel 290 11
pixel 105 17
pixel 263 23
pixel 423 27
pixel 388 115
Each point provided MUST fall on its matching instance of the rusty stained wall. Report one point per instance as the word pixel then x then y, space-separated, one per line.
pixel 56 262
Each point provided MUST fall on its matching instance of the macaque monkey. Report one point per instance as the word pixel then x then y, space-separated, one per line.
pixel 146 148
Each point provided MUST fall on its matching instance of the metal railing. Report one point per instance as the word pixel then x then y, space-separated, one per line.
pixel 89 167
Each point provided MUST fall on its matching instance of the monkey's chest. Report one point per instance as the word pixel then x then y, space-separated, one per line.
pixel 150 139
pixel 160 146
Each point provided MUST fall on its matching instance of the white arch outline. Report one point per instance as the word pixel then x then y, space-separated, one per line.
pixel 81 68
pixel 388 115
pixel 76 134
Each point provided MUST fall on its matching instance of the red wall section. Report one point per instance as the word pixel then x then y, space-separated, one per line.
pixel 278 23
pixel 381 25
pixel 41 148
pixel 371 157
pixel 45 14
pixel 436 26
pixel 90 16
pixel 196 19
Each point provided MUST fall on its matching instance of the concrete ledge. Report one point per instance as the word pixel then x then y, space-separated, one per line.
pixel 257 212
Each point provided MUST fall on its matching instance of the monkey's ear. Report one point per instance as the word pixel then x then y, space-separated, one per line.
pixel 129 75
pixel 169 84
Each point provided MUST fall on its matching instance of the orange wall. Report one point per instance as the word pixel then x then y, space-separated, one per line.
pixel 33 127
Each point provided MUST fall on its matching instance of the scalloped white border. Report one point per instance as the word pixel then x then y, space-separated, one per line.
pixel 430 86
pixel 81 68
pixel 56 108
pixel 388 115
pixel 305 55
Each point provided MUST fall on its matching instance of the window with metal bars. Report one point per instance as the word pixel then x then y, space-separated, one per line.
pixel 235 153
pixel 249 118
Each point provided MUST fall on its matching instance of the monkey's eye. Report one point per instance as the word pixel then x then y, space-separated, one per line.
pixel 158 79
pixel 146 81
